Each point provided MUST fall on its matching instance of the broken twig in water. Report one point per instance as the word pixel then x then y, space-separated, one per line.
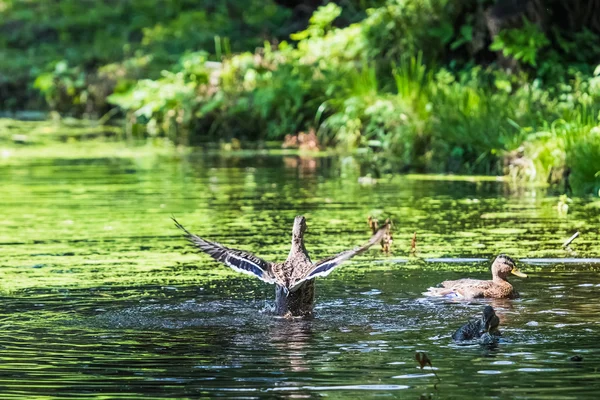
pixel 386 241
pixel 570 240
pixel 423 360
pixel 373 224
pixel 413 244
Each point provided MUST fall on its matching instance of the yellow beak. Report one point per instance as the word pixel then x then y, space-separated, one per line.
pixel 516 272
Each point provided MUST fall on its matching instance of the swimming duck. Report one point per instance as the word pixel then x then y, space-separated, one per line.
pixel 497 288
pixel 294 278
pixel 485 329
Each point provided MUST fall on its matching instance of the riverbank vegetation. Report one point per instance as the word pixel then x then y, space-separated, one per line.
pixel 476 86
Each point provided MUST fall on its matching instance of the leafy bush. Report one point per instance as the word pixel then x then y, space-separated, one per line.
pixel 411 84
pixel 168 104
pixel 37 35
pixel 523 44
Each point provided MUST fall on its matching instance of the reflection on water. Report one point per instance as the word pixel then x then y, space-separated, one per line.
pixel 102 298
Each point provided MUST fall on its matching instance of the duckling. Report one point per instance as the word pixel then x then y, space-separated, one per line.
pixel 485 329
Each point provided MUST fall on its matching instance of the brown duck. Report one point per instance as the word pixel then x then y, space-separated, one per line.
pixel 497 288
pixel 294 278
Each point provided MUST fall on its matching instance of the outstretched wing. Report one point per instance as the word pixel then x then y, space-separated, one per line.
pixel 236 259
pixel 325 266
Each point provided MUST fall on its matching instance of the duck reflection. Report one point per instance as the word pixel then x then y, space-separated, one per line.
pixel 292 339
pixel 504 310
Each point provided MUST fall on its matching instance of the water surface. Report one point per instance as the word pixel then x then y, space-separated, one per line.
pixel 102 298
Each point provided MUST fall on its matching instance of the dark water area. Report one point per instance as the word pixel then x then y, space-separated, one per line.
pixel 102 298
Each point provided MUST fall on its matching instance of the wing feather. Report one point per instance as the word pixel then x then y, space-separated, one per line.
pixel 325 266
pixel 239 260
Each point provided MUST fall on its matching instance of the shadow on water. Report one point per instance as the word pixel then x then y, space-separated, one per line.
pixel 102 298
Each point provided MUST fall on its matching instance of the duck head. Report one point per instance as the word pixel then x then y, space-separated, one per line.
pixel 489 321
pixel 503 266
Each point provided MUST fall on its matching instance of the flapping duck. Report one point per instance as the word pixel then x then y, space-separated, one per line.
pixel 294 278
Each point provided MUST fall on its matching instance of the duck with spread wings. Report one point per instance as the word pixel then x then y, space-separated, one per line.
pixel 295 277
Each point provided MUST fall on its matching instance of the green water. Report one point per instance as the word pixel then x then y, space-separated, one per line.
pixel 101 297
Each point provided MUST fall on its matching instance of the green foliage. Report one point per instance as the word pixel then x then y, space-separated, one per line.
pixel 412 80
pixel 465 36
pixel 167 105
pixel 523 44
pixel 344 125
pixel 409 26
pixel 62 82
pixel 411 85
pixel 320 22
pixel 86 35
